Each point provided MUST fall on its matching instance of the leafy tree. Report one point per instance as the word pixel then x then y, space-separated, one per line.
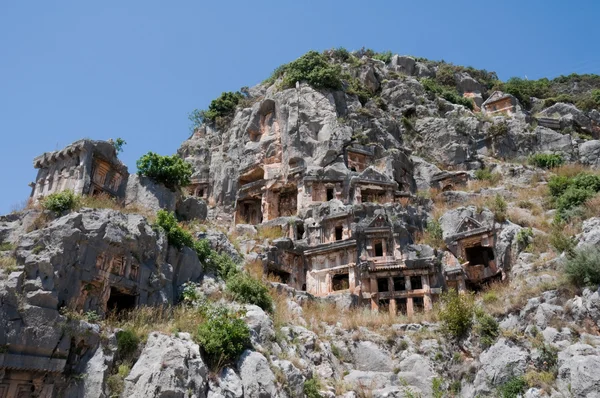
pixel 223 336
pixel 314 69
pixel 546 160
pixel 223 106
pixel 456 313
pixel 247 289
pixel 118 144
pixel 172 171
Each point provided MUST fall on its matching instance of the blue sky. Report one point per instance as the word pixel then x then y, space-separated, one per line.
pixel 135 69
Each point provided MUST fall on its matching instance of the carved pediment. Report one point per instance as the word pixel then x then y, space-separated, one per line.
pixel 468 224
pixel 379 221
pixel 373 175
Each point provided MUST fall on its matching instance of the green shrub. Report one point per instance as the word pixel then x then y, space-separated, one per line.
pixel 314 69
pixel 449 94
pixel 176 235
pixel 61 202
pixel 223 336
pixel 171 171
pixel 486 174
pixel 560 240
pixel 456 313
pixel 445 76
pixel 311 388
pixel 385 56
pixel 340 54
pixel 223 106
pixel 498 129
pixel 524 237
pixel 546 160
pixel 118 144
pixel 571 198
pixel 513 388
pixel 355 87
pixel 558 184
pixel 583 266
pixel 499 207
pixel 247 289
pixel 127 343
pixel 487 328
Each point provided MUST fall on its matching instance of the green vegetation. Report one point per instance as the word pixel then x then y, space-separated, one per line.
pixel 61 202
pixel 456 313
pixel 513 388
pixel 546 160
pixel 223 106
pixel 118 144
pixel 487 328
pixel 586 97
pixel 311 388
pixel 449 94
pixel 385 56
pixel 223 336
pixel 312 68
pixel 445 75
pixel 583 266
pixel 499 208
pixel 433 235
pixel 172 171
pixel 561 241
pixel 127 343
pixel 486 174
pixel 570 192
pixel 524 237
pixel 246 289
pixel 116 382
pixel 179 237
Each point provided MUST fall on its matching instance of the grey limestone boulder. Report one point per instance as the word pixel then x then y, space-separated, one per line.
pixel 589 153
pixel 192 208
pixel 499 364
pixel 144 192
pixel 369 357
pixel 257 377
pixel 227 385
pixel 168 367
pixel 590 236
pixel 578 374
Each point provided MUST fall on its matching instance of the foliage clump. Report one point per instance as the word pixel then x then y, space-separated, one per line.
pixel 546 160
pixel 223 336
pixel 583 266
pixel 311 388
pixel 447 93
pixel 246 289
pixel 456 313
pixel 127 343
pixel 313 68
pixel 222 264
pixel 513 388
pixel 172 171
pixel 570 192
pixel 61 202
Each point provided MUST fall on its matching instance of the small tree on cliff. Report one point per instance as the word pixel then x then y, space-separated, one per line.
pixel 169 170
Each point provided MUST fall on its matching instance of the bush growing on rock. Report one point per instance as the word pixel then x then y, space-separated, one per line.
pixel 223 106
pixel 570 192
pixel 246 289
pixel 311 389
pixel 546 160
pixel 314 69
pixel 61 202
pixel 127 343
pixel 513 388
pixel 456 313
pixel 223 336
pixel 172 171
pixel 449 94
pixel 583 266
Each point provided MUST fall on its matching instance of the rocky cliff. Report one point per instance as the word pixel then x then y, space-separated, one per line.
pixel 333 210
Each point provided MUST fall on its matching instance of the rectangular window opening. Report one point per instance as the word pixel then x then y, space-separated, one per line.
pixel 382 285
pixel 329 194
pixel 339 230
pixel 416 283
pixel 378 249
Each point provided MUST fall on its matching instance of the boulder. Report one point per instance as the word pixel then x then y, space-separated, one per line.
pixel 368 356
pixel 142 191
pixel 227 385
pixel 257 377
pixel 590 235
pixel 192 208
pixel 168 367
pixel 499 364
pixel 403 64
pixel 589 153
pixel 578 374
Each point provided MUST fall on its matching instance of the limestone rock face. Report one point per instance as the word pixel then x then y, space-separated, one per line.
pixel 168 367
pixel 577 374
pixel 147 193
pixel 257 378
pixel 499 363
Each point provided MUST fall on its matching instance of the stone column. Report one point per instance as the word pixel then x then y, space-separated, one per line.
pixel 427 303
pixel 374 295
pixel 407 284
pixel 409 306
pixel 393 307
pixel 462 288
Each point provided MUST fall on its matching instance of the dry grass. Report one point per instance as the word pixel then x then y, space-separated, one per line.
pixel 591 207
pixel 572 169
pixel 165 319
pixel 317 313
pixel 8 264
pixel 542 380
pixel 255 268
pixel 39 222
pixel 281 315
pixel 107 202
pixel 505 297
pixel 270 233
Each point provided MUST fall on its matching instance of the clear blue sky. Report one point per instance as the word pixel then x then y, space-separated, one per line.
pixel 135 69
